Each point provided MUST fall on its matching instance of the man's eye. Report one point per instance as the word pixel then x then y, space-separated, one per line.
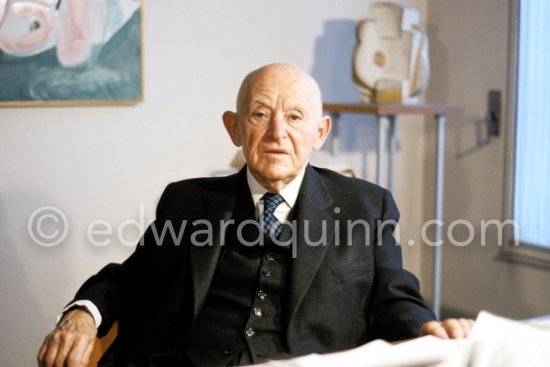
pixel 295 117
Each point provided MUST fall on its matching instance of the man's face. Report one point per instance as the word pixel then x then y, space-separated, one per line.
pixel 278 123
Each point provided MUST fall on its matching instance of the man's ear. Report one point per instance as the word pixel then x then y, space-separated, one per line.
pixel 231 123
pixel 322 132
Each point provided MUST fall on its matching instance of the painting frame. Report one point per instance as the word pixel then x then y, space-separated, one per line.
pixel 106 71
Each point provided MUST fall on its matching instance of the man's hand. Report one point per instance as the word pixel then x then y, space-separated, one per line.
pixel 450 328
pixel 71 342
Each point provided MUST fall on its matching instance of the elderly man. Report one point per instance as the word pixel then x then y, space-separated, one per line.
pixel 218 279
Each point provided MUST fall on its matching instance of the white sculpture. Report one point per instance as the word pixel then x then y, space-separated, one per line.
pixel 390 62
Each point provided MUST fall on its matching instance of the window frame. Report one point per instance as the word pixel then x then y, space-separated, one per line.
pixel 512 249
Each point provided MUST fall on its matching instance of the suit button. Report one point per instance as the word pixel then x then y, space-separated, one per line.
pixel 261 295
pixel 257 312
pixel 228 352
pixel 249 332
pixel 269 256
pixel 266 273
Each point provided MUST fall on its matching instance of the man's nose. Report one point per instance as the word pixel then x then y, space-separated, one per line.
pixel 277 127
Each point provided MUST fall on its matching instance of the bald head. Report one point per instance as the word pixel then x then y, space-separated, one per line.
pixel 288 73
pixel 278 123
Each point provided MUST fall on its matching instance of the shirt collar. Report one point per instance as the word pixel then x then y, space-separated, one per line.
pixel 289 192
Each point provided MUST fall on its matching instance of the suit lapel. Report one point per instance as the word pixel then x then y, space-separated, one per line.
pixel 218 209
pixel 314 222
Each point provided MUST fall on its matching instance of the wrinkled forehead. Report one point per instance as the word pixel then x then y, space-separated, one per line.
pixel 288 84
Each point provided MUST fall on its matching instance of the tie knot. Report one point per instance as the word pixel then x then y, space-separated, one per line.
pixel 271 201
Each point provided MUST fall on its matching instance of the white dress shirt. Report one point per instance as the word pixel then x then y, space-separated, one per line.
pixel 289 194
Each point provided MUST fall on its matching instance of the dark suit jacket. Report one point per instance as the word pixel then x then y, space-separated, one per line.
pixel 342 292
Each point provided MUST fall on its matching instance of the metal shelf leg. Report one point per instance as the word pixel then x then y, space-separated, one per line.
pixel 439 184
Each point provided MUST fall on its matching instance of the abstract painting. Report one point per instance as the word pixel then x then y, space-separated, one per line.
pixel 63 52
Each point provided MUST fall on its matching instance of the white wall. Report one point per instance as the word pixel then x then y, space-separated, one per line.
pixel 469 53
pixel 104 162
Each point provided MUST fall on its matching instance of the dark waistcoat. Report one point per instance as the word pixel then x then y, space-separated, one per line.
pixel 241 321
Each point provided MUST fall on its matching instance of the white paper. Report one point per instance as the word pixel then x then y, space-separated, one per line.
pixel 493 342
pixel 496 341
pixel 424 351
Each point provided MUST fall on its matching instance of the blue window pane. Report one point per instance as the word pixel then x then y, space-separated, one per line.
pixel 532 161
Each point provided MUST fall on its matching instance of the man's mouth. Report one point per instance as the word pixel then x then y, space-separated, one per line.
pixel 276 151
